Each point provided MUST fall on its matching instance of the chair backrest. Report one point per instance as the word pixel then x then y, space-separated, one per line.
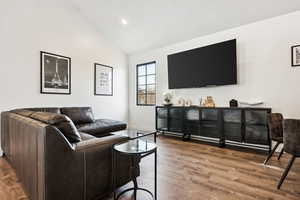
pixel 275 121
pixel 291 136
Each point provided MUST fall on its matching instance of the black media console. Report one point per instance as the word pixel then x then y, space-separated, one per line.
pixel 243 127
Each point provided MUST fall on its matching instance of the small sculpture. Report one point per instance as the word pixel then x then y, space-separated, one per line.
pixel 167 98
pixel 200 101
pixel 188 102
pixel 209 102
pixel 181 101
pixel 233 103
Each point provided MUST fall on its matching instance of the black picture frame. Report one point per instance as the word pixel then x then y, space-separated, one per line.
pixel 64 87
pixel 96 67
pixel 295 54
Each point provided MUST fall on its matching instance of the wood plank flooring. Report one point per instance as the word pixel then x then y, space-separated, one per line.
pixel 192 171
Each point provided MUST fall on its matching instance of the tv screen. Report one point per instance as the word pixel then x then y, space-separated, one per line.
pixel 211 65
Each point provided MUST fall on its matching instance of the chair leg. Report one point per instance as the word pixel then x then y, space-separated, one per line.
pixel 286 171
pixel 281 152
pixel 272 152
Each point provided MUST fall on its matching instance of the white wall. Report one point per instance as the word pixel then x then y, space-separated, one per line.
pixel 264 69
pixel 26 28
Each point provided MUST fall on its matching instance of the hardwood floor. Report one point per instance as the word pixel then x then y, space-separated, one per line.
pixel 10 188
pixel 192 171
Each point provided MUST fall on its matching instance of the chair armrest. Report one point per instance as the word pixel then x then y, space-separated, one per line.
pixel 99 142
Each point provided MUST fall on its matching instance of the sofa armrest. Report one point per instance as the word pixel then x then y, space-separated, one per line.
pixel 98 164
pixel 98 142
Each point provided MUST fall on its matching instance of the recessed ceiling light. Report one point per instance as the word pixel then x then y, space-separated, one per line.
pixel 124 21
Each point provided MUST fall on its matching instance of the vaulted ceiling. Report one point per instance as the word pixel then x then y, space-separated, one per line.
pixel 156 23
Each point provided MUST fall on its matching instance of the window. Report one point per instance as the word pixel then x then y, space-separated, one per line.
pixel 146 84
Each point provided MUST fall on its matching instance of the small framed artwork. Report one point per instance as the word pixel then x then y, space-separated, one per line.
pixel 295 56
pixel 103 83
pixel 55 74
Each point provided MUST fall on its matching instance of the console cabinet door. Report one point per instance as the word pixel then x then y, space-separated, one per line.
pixel 192 121
pixel 162 118
pixel 176 119
pixel 209 122
pixel 232 125
pixel 256 129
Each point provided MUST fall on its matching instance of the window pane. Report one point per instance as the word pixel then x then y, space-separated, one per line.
pixel 151 69
pixel 146 88
pixel 150 98
pixel 142 70
pixel 141 99
pixel 151 79
pixel 142 80
pixel 150 88
pixel 141 89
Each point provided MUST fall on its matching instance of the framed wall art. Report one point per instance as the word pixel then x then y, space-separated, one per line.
pixel 103 80
pixel 55 74
pixel 295 56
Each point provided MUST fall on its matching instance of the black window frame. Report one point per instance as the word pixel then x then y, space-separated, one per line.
pixel 146 91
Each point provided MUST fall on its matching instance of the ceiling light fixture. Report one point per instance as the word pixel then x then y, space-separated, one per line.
pixel 124 21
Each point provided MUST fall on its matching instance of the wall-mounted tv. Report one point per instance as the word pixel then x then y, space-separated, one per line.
pixel 211 65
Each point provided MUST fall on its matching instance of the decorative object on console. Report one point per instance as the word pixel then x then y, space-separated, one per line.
pixel 209 102
pixel 252 102
pixel 200 101
pixel 233 103
pixel 103 83
pixel 181 101
pixel 167 98
pixel 55 74
pixel 295 55
pixel 188 102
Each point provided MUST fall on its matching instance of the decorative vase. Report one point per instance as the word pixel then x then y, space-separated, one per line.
pixel 167 98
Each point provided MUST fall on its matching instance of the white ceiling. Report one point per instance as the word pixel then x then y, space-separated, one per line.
pixel 156 23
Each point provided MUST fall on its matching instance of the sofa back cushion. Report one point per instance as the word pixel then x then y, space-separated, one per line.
pixel 23 112
pixel 62 122
pixel 46 109
pixel 79 115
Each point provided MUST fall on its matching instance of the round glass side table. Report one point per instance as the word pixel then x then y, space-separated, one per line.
pixel 135 148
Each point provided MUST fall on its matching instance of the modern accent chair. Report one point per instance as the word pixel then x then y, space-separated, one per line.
pixel 291 141
pixel 275 121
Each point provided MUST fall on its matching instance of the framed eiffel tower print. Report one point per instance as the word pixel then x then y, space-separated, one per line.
pixel 55 74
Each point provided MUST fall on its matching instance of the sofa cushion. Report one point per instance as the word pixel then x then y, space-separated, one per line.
pixel 79 115
pixel 102 126
pixel 62 122
pixel 85 136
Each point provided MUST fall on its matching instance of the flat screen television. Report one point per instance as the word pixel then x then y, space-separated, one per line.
pixel 212 65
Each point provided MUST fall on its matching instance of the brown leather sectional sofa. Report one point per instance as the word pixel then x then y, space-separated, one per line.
pixel 63 153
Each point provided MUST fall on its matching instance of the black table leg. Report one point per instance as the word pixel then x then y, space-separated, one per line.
pixel 155 174
pixel 113 173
